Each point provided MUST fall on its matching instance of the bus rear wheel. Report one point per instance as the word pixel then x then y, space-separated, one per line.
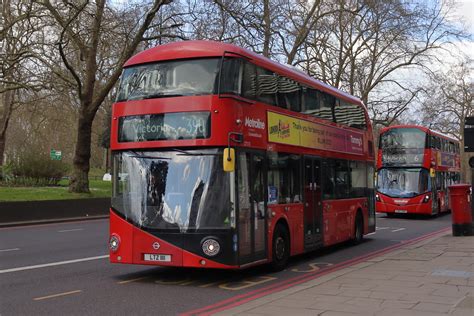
pixel 437 209
pixel 281 248
pixel 358 229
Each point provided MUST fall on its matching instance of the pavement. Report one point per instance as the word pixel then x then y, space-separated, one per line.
pixel 431 277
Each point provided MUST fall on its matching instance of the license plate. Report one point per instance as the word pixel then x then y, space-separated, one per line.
pixel 156 257
pixel 401 211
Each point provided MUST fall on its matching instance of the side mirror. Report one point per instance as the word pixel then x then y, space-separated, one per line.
pixel 229 160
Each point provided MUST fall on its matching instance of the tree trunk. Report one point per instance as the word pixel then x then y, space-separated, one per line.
pixel 79 182
pixel 2 149
pixel 267 21
pixel 7 101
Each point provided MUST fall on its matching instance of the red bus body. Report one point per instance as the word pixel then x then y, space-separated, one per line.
pixel 312 218
pixel 437 159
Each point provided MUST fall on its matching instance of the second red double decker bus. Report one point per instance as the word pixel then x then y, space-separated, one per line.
pixel 225 159
pixel 415 166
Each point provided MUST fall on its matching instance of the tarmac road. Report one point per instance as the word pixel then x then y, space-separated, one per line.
pixel 63 268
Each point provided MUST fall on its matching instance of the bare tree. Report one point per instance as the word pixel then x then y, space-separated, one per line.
pixel 365 46
pixel 20 37
pixel 254 21
pixel 450 99
pixel 87 32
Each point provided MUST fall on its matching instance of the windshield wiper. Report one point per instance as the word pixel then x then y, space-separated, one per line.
pixel 162 95
pixel 137 155
pixel 186 153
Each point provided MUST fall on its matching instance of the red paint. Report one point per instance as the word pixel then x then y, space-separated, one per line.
pixel 413 205
pixel 135 243
pixel 293 215
pixel 339 219
pixel 461 203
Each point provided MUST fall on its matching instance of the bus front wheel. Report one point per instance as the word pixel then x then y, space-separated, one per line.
pixel 281 248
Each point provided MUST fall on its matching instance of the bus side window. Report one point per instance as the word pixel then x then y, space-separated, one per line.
pixel 310 101
pixel 231 76
pixel 267 86
pixel 349 114
pixel 284 184
pixel 318 104
pixel 249 81
pixel 326 104
pixel 358 178
pixel 289 94
pixel 342 179
pixel 329 182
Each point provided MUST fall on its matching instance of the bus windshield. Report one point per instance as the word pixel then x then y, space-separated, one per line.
pixel 169 79
pixel 403 183
pixel 403 138
pixel 172 190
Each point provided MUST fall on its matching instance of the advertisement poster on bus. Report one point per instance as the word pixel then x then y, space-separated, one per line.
pixel 288 130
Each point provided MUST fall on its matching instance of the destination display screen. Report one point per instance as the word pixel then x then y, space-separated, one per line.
pixel 165 126
pixel 403 157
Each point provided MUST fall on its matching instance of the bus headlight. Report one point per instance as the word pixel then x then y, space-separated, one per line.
pixel 114 243
pixel 426 199
pixel 211 247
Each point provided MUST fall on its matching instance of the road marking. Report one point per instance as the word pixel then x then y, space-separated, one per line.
pixel 370 234
pixel 70 230
pixel 381 228
pixel 52 264
pixel 56 295
pixel 132 280
pixel 210 284
pixel 397 230
pixel 12 249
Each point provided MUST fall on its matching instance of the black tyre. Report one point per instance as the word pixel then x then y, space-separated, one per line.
pixel 437 209
pixel 358 229
pixel 281 248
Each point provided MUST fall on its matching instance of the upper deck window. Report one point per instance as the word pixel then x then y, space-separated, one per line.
pixel 241 77
pixel 349 114
pixel 403 138
pixel 169 79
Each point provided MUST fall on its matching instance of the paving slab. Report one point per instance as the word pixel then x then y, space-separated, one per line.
pixel 431 277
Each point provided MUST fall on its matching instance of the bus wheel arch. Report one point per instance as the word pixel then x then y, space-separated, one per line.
pixel 280 245
pixel 358 227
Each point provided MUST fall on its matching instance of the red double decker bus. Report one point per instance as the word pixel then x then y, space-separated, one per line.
pixel 225 159
pixel 415 166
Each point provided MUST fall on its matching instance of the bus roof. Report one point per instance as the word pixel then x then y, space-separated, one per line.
pixel 424 129
pixel 201 49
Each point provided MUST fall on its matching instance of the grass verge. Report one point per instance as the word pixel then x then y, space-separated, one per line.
pixel 98 188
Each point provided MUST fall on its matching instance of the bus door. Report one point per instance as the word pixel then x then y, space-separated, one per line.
pixel 252 207
pixel 312 203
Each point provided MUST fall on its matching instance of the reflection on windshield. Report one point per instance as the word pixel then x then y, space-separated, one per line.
pixel 172 190
pixel 403 182
pixel 169 79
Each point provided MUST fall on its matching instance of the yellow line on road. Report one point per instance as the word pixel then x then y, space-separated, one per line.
pixel 132 280
pixel 56 295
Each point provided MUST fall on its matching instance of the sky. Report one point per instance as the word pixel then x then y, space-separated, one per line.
pixel 465 10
